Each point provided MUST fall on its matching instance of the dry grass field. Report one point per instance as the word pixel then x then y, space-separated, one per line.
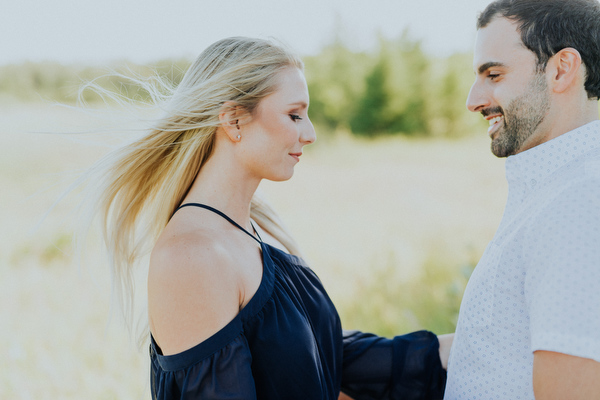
pixel 366 213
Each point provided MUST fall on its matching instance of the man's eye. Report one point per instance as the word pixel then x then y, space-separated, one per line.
pixel 295 117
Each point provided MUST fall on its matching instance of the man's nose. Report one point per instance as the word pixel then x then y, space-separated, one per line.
pixel 477 99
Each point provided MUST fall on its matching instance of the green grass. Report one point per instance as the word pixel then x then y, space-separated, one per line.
pixel 392 227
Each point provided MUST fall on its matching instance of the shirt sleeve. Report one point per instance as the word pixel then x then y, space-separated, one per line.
pixel 562 285
pixel 406 367
pixel 225 374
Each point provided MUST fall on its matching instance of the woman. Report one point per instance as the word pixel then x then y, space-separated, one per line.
pixel 234 312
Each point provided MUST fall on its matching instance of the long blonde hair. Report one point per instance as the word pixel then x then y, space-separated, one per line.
pixel 143 183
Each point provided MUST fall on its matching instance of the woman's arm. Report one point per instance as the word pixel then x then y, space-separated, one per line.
pixel 445 345
pixel 405 367
pixel 192 292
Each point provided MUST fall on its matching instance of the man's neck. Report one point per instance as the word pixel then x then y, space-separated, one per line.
pixel 561 120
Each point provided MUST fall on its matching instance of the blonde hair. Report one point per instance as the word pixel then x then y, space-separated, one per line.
pixel 144 182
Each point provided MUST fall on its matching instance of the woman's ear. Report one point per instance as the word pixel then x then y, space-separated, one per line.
pixel 230 118
pixel 566 68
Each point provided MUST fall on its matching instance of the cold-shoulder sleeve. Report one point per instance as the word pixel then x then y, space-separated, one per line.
pixel 406 367
pixel 198 373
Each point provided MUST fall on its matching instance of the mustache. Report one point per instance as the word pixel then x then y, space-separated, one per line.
pixel 492 110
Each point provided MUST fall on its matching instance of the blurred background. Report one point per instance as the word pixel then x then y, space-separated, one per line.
pixel 393 205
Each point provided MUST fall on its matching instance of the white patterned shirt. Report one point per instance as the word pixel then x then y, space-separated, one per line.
pixel 537 285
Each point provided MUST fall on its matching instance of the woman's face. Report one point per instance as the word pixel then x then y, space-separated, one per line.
pixel 272 141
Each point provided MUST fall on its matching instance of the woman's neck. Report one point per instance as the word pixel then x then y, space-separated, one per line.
pixel 225 185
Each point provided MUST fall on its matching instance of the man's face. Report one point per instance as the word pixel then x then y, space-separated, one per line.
pixel 508 91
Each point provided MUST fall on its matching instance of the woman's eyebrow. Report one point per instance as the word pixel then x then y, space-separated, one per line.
pixel 299 103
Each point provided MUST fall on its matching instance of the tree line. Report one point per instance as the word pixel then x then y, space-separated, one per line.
pixel 395 89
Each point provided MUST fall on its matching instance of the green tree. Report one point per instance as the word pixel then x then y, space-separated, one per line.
pixel 395 99
pixel 335 79
pixel 409 83
pixel 372 108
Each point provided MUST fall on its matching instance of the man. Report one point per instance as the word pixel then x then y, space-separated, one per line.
pixel 529 324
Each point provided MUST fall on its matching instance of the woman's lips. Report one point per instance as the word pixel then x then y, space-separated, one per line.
pixel 296 156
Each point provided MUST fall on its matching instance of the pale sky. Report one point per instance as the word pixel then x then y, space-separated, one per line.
pixel 101 31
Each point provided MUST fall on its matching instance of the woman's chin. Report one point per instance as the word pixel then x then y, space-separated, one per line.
pixel 281 177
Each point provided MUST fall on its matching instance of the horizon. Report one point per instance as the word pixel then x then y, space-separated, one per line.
pixel 68 32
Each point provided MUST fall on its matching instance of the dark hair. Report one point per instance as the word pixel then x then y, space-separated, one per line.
pixel 548 26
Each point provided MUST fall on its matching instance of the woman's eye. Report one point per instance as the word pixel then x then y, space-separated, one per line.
pixel 493 76
pixel 295 117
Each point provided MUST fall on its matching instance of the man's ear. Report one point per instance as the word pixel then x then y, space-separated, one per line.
pixel 566 68
pixel 230 117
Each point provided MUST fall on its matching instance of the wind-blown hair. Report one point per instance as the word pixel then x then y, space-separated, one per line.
pixel 141 184
pixel 548 26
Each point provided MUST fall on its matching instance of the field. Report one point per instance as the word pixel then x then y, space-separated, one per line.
pixel 392 226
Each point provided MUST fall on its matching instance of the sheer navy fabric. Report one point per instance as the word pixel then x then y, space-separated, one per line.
pixel 288 343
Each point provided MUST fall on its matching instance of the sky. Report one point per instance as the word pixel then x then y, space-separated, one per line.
pixel 104 31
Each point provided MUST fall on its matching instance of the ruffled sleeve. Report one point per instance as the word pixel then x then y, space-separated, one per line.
pixel 406 367
pixel 194 374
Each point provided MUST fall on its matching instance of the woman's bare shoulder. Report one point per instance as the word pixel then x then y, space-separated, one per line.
pixel 187 250
pixel 193 290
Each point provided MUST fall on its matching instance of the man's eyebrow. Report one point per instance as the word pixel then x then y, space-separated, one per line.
pixel 484 67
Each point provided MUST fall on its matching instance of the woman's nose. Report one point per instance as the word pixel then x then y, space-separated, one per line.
pixel 308 134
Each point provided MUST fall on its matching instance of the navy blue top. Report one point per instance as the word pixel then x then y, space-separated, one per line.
pixel 288 343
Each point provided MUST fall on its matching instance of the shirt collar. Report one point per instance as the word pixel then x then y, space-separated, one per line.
pixel 536 164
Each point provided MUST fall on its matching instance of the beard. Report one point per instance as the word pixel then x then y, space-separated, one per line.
pixel 521 118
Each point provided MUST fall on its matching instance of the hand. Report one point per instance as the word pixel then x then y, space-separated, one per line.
pixel 445 345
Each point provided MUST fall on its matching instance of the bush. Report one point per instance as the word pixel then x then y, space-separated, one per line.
pixel 397 89
pixel 389 305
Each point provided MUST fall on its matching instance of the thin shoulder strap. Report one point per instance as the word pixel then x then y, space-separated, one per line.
pixel 259 240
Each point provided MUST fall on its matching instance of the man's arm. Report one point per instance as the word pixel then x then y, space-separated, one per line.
pixel 560 376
